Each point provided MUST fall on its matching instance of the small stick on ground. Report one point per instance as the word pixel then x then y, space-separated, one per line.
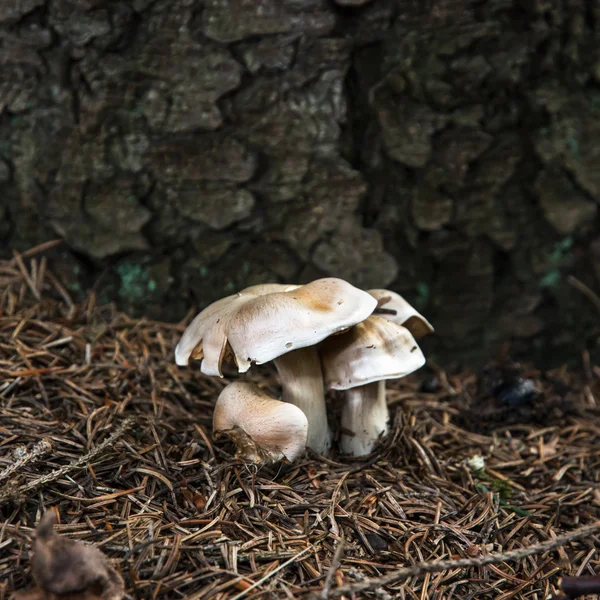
pixel 335 563
pixel 36 452
pixel 585 290
pixel 26 276
pixel 575 587
pixel 9 492
pixel 444 565
pixel 37 250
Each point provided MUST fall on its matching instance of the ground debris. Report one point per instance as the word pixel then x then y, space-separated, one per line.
pixel 576 587
pixel 68 569
pixel 182 518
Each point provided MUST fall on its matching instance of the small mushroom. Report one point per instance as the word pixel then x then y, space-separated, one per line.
pixel 263 429
pixel 359 362
pixel 282 323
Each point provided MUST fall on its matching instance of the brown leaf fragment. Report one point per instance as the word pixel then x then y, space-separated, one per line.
pixel 65 569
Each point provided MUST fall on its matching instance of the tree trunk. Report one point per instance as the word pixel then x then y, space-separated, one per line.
pixel 186 149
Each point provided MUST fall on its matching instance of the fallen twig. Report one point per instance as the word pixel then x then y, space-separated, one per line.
pixel 37 250
pixel 335 563
pixel 26 275
pixel 585 290
pixel 575 587
pixel 9 492
pixel 36 452
pixel 443 565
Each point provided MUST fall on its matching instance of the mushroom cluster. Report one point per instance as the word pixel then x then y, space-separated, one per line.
pixel 325 335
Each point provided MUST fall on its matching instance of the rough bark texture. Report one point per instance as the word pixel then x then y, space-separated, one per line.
pixel 184 149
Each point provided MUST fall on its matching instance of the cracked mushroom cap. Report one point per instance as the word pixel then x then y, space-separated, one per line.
pixel 401 312
pixel 263 322
pixel 262 428
pixel 374 350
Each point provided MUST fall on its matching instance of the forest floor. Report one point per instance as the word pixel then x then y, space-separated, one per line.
pixel 477 464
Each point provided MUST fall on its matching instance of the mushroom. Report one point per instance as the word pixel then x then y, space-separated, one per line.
pixel 359 362
pixel 282 323
pixel 263 429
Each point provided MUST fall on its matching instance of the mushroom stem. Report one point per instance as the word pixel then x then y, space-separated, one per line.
pixel 302 385
pixel 364 419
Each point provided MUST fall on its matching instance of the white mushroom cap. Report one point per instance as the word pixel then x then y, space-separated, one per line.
pixel 263 289
pixel 262 428
pixel 262 323
pixel 374 350
pixel 405 313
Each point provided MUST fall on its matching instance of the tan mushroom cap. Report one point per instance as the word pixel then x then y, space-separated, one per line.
pixel 374 350
pixel 261 323
pixel 262 428
pixel 405 315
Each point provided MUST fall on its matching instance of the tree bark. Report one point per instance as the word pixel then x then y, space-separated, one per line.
pixel 186 149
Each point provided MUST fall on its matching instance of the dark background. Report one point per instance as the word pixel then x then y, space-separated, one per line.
pixel 185 149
